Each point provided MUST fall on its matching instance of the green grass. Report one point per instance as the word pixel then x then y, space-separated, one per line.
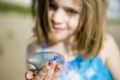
pixel 114 21
pixel 6 8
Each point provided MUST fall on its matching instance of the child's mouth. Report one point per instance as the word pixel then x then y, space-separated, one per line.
pixel 58 29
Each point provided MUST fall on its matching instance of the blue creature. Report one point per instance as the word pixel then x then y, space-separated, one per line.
pixel 40 59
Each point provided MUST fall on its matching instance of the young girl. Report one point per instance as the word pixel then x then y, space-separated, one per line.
pixel 75 29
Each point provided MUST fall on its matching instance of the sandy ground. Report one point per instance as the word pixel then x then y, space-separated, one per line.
pixel 15 31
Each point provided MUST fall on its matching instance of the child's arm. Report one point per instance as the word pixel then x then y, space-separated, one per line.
pixel 113 60
pixel 111 56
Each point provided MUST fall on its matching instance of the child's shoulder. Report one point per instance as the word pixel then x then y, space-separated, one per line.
pixel 109 48
pixel 111 55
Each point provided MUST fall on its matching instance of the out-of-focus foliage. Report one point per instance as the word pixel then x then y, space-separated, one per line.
pixel 6 7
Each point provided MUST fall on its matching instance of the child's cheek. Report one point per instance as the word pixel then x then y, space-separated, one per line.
pixel 73 23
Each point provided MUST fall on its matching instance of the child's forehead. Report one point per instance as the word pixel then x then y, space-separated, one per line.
pixel 73 2
pixel 67 3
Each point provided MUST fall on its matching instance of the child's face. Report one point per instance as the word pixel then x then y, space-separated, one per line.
pixel 64 16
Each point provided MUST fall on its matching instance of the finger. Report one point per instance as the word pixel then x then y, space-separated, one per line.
pixel 57 72
pixel 29 75
pixel 50 72
pixel 41 75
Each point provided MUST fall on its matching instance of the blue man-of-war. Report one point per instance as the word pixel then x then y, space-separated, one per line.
pixel 40 59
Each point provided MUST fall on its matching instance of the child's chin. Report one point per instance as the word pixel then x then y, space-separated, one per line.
pixel 60 38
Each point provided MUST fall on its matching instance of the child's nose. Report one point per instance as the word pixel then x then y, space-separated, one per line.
pixel 59 16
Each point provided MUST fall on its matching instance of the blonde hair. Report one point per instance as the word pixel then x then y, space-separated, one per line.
pixel 89 37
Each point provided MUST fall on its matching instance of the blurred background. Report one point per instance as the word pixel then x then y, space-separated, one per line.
pixel 16 23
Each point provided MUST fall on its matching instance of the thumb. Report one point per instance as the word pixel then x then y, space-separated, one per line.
pixel 29 75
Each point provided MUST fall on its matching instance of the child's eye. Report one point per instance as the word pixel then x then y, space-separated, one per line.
pixel 71 11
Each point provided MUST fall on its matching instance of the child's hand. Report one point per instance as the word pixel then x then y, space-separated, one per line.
pixel 49 72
